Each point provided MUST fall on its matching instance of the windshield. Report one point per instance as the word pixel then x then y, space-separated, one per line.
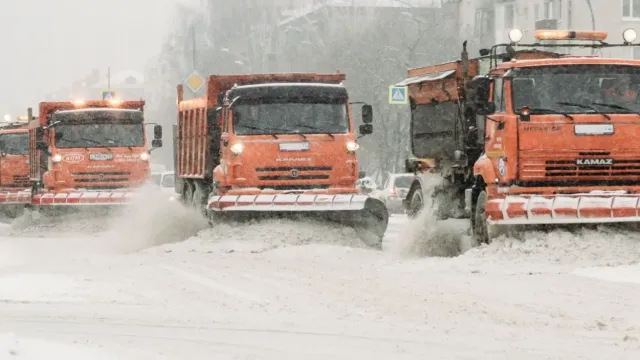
pixel 576 89
pixel 99 135
pixel 14 144
pixel 168 181
pixel 403 181
pixel 280 116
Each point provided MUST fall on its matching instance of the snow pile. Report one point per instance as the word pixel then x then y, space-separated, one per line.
pixel 606 246
pixel 263 235
pixel 30 349
pixel 624 273
pixel 427 236
pixel 34 224
pixel 153 220
pixel 39 287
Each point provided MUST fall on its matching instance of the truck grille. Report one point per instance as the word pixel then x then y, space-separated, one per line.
pixel 89 179
pixel 535 170
pixel 289 177
pixel 21 180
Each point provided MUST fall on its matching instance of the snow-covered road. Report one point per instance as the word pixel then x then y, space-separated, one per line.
pixel 280 290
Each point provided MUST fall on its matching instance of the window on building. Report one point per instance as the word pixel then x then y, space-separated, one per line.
pixel 509 16
pixel 631 9
pixel 483 23
pixel 553 9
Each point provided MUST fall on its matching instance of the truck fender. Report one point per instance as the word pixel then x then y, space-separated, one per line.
pixel 219 176
pixel 484 169
pixel 416 185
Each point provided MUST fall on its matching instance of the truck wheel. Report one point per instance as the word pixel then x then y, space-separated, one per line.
pixel 416 204
pixel 479 224
pixel 200 196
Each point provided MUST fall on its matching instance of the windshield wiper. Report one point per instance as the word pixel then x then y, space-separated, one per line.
pixel 550 111
pixel 261 128
pixel 585 107
pixel 616 106
pixel 316 129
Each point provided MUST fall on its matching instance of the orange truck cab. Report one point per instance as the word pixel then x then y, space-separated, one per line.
pixel 89 152
pixel 545 140
pixel 275 143
pixel 15 187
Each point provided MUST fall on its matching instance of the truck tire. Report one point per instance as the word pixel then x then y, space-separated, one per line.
pixel 480 228
pixel 416 203
pixel 200 197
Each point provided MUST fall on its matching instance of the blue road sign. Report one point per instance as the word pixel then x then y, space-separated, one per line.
pixel 109 95
pixel 398 95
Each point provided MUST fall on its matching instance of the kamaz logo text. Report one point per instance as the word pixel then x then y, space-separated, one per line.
pixel 594 161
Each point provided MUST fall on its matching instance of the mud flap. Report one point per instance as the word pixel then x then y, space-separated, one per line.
pixel 368 216
pixel 588 208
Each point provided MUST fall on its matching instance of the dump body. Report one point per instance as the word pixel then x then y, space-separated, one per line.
pixel 271 143
pixel 92 152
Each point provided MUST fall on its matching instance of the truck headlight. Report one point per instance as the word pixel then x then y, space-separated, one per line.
pixel 352 146
pixel 236 148
pixel 144 156
pixel 56 158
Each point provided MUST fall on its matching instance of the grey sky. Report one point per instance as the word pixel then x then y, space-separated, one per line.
pixel 49 43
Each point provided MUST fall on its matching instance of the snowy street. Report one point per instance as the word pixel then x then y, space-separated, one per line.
pixel 290 291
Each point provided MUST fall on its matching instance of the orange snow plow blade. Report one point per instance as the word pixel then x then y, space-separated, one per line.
pixel 368 216
pixel 15 197
pixel 564 209
pixel 79 198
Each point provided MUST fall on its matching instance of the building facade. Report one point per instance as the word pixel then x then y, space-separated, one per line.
pixel 487 22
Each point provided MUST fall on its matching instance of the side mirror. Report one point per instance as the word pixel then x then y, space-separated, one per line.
pixel 481 84
pixel 225 138
pixel 487 108
pixel 367 114
pixel 157 132
pixel 366 129
pixel 362 174
pixel 156 143
pixel 59 136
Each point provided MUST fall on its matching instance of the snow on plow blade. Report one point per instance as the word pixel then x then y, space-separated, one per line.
pixel 79 198
pixel 367 215
pixel 564 209
pixel 15 197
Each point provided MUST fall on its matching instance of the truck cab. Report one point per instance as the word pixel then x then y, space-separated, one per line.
pixel 289 136
pixel 14 157
pixel 91 146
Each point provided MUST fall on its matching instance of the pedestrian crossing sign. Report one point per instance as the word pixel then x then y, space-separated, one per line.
pixel 109 94
pixel 398 95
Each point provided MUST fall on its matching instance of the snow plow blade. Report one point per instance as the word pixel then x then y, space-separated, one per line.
pixel 15 197
pixel 368 216
pixel 13 202
pixel 82 198
pixel 561 209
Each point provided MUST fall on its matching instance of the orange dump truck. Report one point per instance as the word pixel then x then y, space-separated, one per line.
pixel 275 144
pixel 529 137
pixel 88 153
pixel 15 187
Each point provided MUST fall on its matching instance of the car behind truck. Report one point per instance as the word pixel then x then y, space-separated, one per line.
pixel 275 144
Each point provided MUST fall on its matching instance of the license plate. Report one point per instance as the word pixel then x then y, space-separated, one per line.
pixel 100 156
pixel 294 146
pixel 593 129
